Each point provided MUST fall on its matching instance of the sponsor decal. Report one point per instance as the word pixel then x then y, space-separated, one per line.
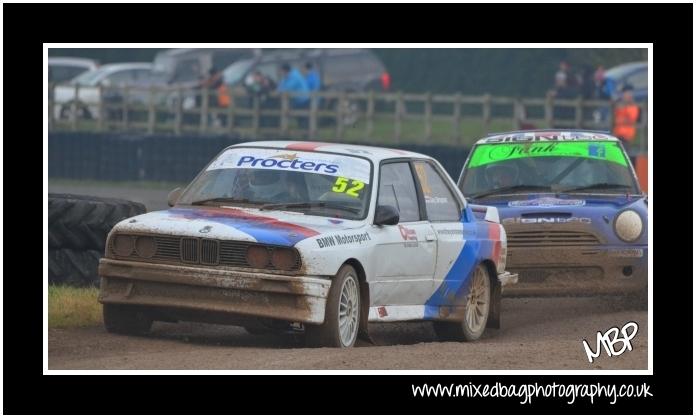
pixel 249 161
pixel 626 253
pixel 335 165
pixel 382 311
pixel 336 221
pixel 546 220
pixel 547 136
pixel 343 239
pixel 449 232
pixel 488 153
pixel 408 234
pixel 436 200
pixel 263 229
pixel 547 202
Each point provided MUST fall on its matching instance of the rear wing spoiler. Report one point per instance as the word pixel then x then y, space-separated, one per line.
pixel 487 213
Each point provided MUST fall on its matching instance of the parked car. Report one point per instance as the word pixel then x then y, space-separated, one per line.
pixel 576 219
pixel 313 237
pixel 634 74
pixel 187 66
pixel 112 78
pixel 340 69
pixel 61 69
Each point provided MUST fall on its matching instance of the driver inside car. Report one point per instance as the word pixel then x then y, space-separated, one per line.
pixel 501 175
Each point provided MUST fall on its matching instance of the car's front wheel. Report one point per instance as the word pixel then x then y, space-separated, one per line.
pixel 342 317
pixel 126 319
pixel 476 310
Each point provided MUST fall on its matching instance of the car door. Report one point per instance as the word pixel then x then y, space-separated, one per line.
pixel 406 253
pixel 444 212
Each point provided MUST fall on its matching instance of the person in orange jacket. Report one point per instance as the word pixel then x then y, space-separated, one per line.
pixel 626 113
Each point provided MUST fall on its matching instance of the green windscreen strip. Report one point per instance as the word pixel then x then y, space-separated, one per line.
pixel 491 153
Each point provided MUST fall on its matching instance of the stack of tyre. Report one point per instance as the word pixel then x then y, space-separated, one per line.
pixel 77 231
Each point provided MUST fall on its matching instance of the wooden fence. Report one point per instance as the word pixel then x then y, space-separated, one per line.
pixel 329 116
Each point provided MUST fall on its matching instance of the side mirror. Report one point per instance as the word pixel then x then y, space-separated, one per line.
pixel 386 215
pixel 173 196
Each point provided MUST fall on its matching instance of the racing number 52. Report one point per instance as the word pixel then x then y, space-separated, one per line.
pixel 341 186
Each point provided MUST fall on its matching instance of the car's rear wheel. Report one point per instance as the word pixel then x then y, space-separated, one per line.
pixel 476 310
pixel 126 319
pixel 342 317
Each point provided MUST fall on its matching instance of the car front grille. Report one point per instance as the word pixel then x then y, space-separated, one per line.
pixel 550 238
pixel 199 251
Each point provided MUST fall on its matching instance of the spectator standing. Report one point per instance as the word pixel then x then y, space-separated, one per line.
pixel 561 80
pixel 312 78
pixel 292 81
pixel 598 80
pixel 626 113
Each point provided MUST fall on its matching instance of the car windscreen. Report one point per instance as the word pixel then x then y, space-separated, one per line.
pixel 234 73
pixel 61 73
pixel 90 78
pixel 548 166
pixel 313 183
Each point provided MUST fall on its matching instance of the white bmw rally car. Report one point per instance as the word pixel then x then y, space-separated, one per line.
pixel 310 236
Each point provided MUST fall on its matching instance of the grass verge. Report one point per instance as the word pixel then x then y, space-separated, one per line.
pixel 70 307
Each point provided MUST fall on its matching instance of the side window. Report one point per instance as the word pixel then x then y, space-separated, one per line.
pixel 440 203
pixel 121 78
pixel 638 80
pixel 397 188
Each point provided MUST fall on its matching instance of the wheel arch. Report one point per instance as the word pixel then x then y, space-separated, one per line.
pixel 496 291
pixel 364 297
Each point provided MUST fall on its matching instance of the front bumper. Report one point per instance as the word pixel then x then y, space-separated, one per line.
pixel 560 271
pixel 214 290
pixel 507 278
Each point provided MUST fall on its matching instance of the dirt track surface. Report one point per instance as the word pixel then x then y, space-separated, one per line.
pixel 535 334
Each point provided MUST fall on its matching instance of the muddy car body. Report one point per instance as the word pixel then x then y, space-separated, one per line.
pixel 576 220
pixel 325 247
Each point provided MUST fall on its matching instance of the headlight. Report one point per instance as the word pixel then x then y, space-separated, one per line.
pixel 145 247
pixel 284 258
pixel 628 225
pixel 123 245
pixel 257 256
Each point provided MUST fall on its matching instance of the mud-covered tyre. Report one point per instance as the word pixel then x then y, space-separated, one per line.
pixel 73 267
pixel 83 222
pixel 126 319
pixel 476 311
pixel 342 317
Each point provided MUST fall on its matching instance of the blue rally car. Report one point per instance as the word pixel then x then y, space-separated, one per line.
pixel 575 217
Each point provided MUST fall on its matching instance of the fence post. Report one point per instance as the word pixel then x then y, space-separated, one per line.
pixel 313 106
pixel 178 111
pixel 339 115
pixel 230 111
pixel 644 127
pixel 73 108
pixel 255 119
pixel 457 118
pixel 370 115
pixel 398 108
pixel 51 105
pixel 284 117
pixel 548 110
pixel 578 113
pixel 151 111
pixel 516 113
pixel 428 110
pixel 125 108
pixel 100 109
pixel 610 119
pixel 204 109
pixel 486 109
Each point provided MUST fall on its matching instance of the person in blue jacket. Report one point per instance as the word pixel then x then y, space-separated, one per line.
pixel 292 81
pixel 313 79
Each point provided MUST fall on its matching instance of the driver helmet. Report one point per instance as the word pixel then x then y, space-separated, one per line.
pixel 501 175
pixel 265 183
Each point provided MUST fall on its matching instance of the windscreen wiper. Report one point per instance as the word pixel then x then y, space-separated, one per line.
pixel 222 200
pixel 505 189
pixel 309 205
pixel 596 186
